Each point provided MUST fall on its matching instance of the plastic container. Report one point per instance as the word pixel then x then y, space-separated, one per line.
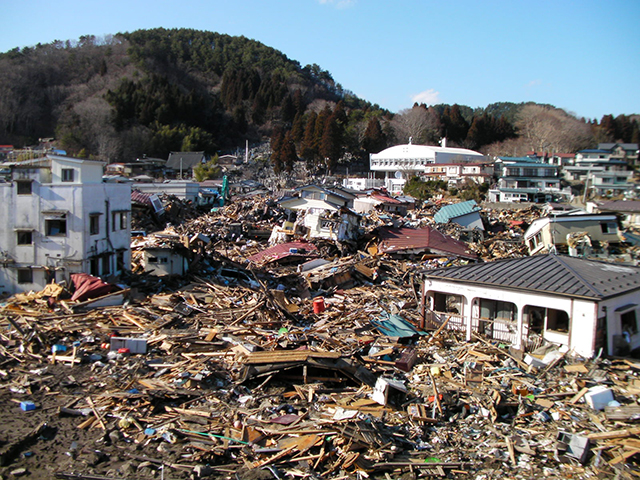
pixel 318 305
pixel 27 406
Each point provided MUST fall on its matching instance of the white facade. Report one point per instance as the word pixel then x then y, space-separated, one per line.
pixel 583 326
pixel 415 158
pixel 179 188
pixel 60 218
pixel 362 183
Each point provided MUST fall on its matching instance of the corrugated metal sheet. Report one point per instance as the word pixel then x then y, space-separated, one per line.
pixel 139 197
pixel 399 240
pixel 555 274
pixel 448 212
pixel 282 250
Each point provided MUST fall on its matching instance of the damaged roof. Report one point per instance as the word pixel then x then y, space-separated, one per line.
pixel 557 274
pixel 415 240
pixel 283 250
pixel 456 210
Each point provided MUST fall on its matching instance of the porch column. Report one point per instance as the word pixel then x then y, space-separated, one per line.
pixel 467 315
pixel 519 339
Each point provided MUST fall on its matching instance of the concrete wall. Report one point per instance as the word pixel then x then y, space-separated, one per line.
pixel 50 256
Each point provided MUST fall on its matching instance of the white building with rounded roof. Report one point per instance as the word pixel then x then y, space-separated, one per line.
pixel 415 158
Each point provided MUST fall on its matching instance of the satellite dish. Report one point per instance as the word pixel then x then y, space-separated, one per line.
pixel 398 174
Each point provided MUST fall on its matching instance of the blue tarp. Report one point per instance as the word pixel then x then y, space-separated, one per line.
pixel 396 326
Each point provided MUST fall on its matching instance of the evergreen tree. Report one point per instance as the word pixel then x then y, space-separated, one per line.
pixel 608 128
pixel 297 129
pixel 308 150
pixel 207 171
pixel 277 141
pixel 331 143
pixel 288 152
pixel 374 140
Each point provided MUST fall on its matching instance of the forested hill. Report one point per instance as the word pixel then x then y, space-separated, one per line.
pixel 150 92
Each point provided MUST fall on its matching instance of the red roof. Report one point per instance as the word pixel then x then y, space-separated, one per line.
pixel 282 250
pixel 384 198
pixel 398 240
pixel 138 197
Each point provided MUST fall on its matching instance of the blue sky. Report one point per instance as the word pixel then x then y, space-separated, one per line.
pixel 582 56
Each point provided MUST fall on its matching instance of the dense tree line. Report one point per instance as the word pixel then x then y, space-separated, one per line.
pixel 155 91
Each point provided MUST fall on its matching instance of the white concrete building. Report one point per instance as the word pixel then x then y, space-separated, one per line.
pixel 401 162
pixel 60 218
pixel 415 158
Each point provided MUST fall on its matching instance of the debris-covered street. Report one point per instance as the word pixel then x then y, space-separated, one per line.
pixel 297 358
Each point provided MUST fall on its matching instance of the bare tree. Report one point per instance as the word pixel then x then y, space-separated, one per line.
pixel 416 123
pixel 546 129
pixel 94 115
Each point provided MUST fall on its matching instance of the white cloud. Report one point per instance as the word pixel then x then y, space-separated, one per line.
pixel 428 97
pixel 338 3
pixel 533 83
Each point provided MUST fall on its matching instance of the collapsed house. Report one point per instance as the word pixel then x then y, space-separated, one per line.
pixel 426 242
pixel 324 213
pixel 466 214
pixel 584 306
pixel 572 233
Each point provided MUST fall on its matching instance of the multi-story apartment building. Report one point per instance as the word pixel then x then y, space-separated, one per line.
pixel 60 218
pixel 522 179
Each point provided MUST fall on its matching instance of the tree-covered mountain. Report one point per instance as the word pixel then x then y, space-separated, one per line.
pixel 150 92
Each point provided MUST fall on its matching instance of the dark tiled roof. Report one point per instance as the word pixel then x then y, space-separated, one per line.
pixel 556 274
pixel 620 206
pixel 184 160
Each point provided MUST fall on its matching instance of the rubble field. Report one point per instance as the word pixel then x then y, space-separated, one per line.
pixel 264 368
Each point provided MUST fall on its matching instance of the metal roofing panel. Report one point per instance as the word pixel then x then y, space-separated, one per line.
pixel 556 274
pixel 397 240
pixel 282 250
pixel 448 212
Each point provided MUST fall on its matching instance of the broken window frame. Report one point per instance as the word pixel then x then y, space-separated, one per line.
pixel 55 227
pixel 444 304
pixel 497 319
pixel 629 321
pixel 555 324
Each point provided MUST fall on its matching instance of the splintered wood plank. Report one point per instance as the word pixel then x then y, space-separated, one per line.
pixel 285 356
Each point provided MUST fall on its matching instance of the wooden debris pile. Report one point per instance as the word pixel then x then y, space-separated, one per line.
pixel 251 381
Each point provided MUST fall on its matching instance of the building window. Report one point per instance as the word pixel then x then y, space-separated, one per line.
pixel 56 227
pixel 94 266
pixel 123 221
pixel 106 265
pixel 557 320
pixel 25 275
pixel 153 260
pixel 609 227
pixel 25 237
pixel 23 187
pixel 120 260
pixel 629 322
pixel 535 316
pixel 67 175
pixel 94 224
